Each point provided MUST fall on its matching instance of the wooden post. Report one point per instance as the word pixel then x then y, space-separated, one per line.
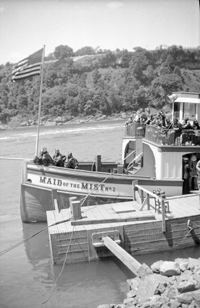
pixel 163 215
pixel 54 197
pixel 135 182
pixel 142 196
pixel 148 205
pixel 98 163
pixel 75 208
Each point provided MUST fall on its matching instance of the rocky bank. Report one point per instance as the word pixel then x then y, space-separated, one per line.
pixel 61 120
pixel 164 285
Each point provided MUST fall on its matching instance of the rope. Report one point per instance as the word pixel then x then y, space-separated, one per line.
pixel 14 158
pixel 62 269
pixel 84 199
pixel 18 244
pixel 190 225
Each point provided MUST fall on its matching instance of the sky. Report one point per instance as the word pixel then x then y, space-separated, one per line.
pixel 28 25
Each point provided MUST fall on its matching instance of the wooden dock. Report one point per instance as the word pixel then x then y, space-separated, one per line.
pixel 137 228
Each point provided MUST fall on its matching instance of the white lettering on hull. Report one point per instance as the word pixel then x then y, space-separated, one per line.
pixel 81 186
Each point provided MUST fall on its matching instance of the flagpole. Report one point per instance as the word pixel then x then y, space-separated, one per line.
pixel 40 100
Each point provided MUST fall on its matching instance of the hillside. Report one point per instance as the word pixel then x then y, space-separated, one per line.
pixel 99 85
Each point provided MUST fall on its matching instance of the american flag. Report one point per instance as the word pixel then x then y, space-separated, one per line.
pixel 28 67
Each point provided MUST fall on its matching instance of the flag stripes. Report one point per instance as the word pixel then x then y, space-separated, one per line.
pixel 28 67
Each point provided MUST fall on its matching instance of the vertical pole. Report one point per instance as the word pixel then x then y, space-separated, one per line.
pixel 163 215
pixel 135 182
pixel 148 205
pixel 98 163
pixel 142 196
pixel 40 100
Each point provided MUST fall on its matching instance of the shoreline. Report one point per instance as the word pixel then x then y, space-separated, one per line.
pixel 59 121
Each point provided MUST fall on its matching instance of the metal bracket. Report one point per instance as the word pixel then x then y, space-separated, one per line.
pixel 97 238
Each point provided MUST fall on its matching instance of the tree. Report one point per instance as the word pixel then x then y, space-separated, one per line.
pixel 63 51
pixel 85 51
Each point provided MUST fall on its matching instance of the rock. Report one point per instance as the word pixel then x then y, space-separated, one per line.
pixel 185 276
pixel 156 266
pixel 192 305
pixel 161 288
pixel 183 264
pixel 133 283
pixel 2 127
pixel 174 303
pixel 187 286
pixel 171 292
pixel 149 284
pixel 132 293
pixel 193 263
pixel 129 302
pixel 123 115
pixel 23 124
pixel 49 123
pixel 185 298
pixel 144 270
pixel 168 268
pixel 196 297
pixel 196 277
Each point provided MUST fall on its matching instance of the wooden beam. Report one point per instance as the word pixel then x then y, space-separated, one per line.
pixel 121 254
pixel 111 220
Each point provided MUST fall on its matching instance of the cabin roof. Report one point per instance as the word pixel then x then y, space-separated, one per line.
pixel 186 97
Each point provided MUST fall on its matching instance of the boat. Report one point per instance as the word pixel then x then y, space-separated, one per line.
pixel 153 158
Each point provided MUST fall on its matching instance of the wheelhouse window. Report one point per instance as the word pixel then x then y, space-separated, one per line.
pixel 177 110
pixel 189 111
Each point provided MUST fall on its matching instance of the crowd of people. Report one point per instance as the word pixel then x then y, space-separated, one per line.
pixel 58 159
pixel 184 129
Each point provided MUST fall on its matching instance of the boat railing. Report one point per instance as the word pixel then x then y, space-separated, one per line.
pixel 135 129
pixel 182 137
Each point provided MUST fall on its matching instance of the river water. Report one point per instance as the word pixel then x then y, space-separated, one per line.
pixel 27 277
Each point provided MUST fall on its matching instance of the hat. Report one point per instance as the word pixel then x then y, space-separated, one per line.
pixel 70 155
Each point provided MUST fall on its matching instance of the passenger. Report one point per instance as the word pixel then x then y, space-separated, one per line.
pixel 186 124
pixel 186 135
pixel 177 128
pixel 196 135
pixel 58 158
pixel 186 176
pixel 130 120
pixel 46 157
pixel 38 159
pixel 72 162
pixel 193 172
pixel 198 173
pixel 195 125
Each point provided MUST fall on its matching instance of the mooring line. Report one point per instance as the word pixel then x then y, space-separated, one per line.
pixel 19 243
pixel 62 269
pixel 84 199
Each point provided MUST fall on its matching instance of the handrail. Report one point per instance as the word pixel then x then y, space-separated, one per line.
pixel 128 155
pixel 161 199
pixel 135 158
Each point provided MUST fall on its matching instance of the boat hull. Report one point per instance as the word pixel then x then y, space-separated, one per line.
pixel 91 188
